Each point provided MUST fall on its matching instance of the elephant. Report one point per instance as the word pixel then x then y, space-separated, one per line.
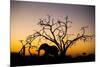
pixel 49 50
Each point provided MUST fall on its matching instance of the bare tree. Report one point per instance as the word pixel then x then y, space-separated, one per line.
pixel 26 45
pixel 22 51
pixel 57 32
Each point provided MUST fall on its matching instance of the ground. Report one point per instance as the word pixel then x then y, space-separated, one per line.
pixel 18 60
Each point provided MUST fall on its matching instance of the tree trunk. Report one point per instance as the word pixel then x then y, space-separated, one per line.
pixel 23 51
pixel 63 53
pixel 29 50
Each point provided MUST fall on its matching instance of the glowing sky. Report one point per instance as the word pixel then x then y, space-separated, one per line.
pixel 26 15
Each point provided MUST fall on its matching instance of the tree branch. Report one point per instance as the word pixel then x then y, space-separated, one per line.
pixel 83 37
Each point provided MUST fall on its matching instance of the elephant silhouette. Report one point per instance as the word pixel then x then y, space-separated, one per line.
pixel 49 50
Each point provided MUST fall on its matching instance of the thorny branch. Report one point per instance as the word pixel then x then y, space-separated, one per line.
pixel 59 32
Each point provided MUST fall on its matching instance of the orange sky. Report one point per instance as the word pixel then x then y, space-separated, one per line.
pixel 25 16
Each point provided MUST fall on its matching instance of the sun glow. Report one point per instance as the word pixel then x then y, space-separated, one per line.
pixel 25 17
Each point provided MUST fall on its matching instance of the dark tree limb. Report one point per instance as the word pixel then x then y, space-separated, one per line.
pixel 59 32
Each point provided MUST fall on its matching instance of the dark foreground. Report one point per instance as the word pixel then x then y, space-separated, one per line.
pixel 18 60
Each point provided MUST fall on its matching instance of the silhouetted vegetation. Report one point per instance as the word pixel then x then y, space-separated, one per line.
pixel 53 54
pixel 59 34
pixel 19 60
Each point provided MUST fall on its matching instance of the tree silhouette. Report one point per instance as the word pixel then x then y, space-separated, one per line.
pixel 26 45
pixel 57 32
pixel 22 51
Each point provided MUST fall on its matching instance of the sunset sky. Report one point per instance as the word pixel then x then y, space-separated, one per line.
pixel 26 15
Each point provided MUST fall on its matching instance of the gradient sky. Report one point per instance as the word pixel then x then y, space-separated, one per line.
pixel 26 15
